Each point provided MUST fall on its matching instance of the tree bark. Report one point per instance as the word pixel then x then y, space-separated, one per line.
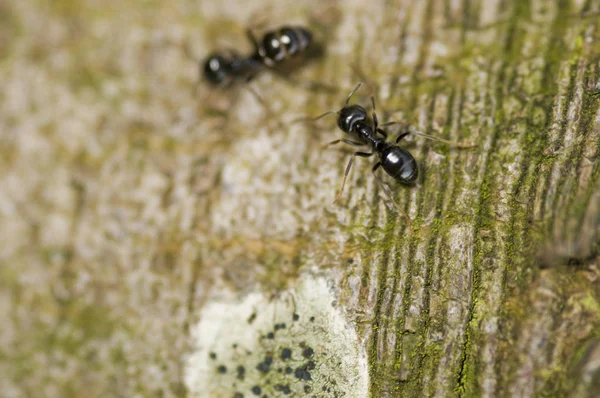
pixel 164 241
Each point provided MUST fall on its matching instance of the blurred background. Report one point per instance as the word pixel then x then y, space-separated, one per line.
pixel 134 197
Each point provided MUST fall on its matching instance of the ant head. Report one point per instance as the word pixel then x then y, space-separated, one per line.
pixel 400 164
pixel 349 116
pixel 217 69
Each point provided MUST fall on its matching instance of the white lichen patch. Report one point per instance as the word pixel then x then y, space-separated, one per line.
pixel 292 345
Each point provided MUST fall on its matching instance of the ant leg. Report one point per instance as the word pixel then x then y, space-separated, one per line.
pixel 355 154
pixel 391 124
pixel 344 140
pixel 401 136
pixel 259 19
pixel 353 143
pixel 375 121
pixel 387 192
pixel 188 52
pixel 310 85
pixel 256 95
pixel 334 142
pixel 250 35
pixel 264 104
pixel 383 133
pixel 430 137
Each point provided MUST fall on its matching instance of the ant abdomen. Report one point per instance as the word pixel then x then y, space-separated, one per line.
pixel 400 164
pixel 279 45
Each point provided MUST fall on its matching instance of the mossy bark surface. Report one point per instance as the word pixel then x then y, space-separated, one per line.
pixel 137 212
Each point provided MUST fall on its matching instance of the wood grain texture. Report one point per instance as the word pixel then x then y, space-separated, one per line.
pixel 130 201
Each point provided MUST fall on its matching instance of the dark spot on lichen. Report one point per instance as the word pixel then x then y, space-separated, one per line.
pixel 302 373
pixel 241 372
pixel 280 326
pixel 295 317
pixel 312 319
pixel 251 318
pixel 286 353
pixel 288 370
pixel 350 261
pixel 256 390
pixel 212 355
pixel 307 388
pixel 310 365
pixel 222 369
pixel 271 335
pixel 234 346
pixel 279 370
pixel 285 389
pixel 308 352
pixel 238 395
pixel 265 365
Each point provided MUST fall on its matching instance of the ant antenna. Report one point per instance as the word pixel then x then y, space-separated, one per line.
pixel 325 114
pixel 314 119
pixel 307 85
pixel 352 93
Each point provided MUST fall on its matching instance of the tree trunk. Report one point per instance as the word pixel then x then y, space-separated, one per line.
pixel 165 241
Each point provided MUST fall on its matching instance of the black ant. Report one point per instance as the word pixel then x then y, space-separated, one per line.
pixel 276 48
pixel 223 70
pixel 395 160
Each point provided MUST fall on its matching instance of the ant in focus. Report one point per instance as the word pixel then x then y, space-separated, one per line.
pixel 282 50
pixel 395 160
pixel 277 47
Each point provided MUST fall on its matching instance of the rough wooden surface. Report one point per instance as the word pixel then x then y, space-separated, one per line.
pixel 147 239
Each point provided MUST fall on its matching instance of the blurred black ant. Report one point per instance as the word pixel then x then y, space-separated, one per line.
pixel 222 70
pixel 281 45
pixel 396 161
pixel 276 48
